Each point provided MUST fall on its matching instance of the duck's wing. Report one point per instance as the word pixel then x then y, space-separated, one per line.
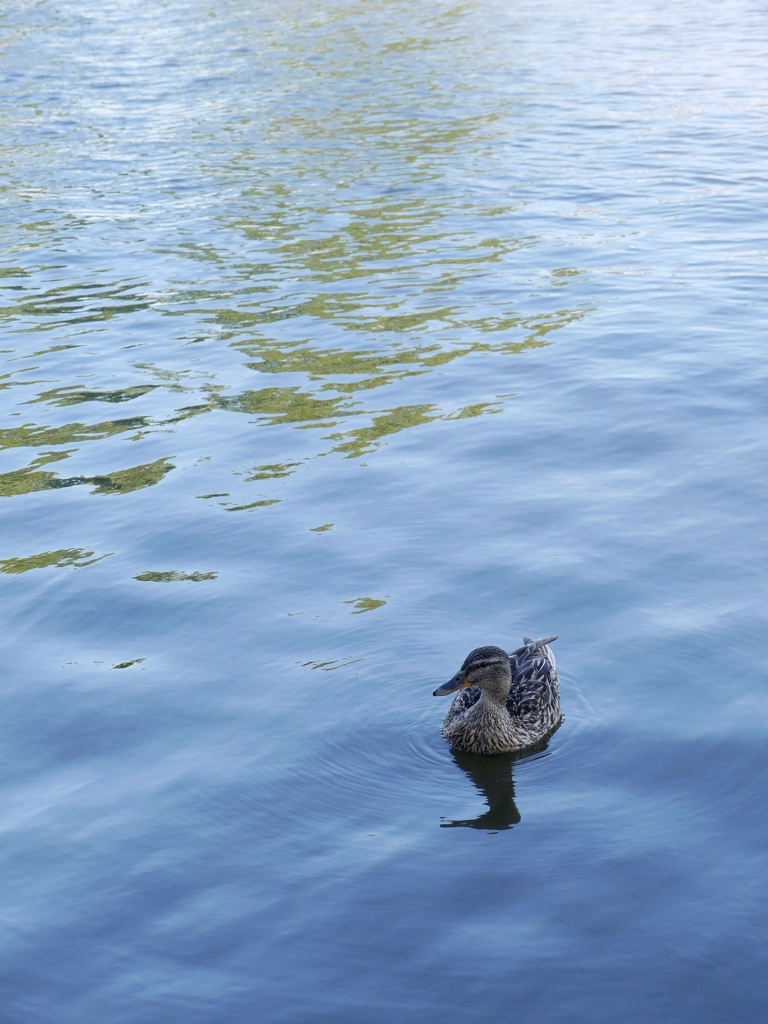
pixel 535 692
pixel 464 699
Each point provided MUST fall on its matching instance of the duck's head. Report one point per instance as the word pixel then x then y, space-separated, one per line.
pixel 486 667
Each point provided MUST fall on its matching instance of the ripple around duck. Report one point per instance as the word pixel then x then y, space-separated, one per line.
pixel 422 740
pixel 403 766
pixel 384 757
pixel 383 766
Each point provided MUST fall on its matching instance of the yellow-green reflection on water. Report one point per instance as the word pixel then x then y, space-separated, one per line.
pixel 353 245
pixel 174 576
pixel 30 435
pixel 64 558
pixel 350 372
pixel 365 604
pixel 72 395
pixel 121 481
pixel 263 503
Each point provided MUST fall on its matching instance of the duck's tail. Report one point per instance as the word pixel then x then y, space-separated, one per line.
pixel 535 645
pixel 529 649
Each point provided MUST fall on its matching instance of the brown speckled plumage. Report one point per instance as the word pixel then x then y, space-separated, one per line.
pixel 506 702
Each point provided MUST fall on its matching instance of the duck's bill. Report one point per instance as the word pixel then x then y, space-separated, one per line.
pixel 457 683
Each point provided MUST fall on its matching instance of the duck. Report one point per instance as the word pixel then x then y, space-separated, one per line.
pixel 506 702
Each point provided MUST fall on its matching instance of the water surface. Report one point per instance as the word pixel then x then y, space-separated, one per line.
pixel 339 339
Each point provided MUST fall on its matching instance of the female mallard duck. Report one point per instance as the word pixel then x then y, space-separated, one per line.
pixel 507 702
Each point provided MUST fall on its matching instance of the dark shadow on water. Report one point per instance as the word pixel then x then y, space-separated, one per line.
pixel 493 777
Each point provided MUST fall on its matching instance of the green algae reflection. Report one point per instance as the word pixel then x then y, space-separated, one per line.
pixel 174 576
pixel 364 604
pixel 352 373
pixel 121 481
pixel 63 558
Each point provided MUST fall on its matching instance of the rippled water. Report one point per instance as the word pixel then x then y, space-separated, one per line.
pixel 339 339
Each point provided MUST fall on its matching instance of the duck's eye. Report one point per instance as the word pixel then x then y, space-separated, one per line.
pixel 482 664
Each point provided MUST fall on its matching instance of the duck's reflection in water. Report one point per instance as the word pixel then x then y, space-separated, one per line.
pixel 492 776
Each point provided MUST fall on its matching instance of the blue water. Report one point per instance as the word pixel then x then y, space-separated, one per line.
pixel 340 339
